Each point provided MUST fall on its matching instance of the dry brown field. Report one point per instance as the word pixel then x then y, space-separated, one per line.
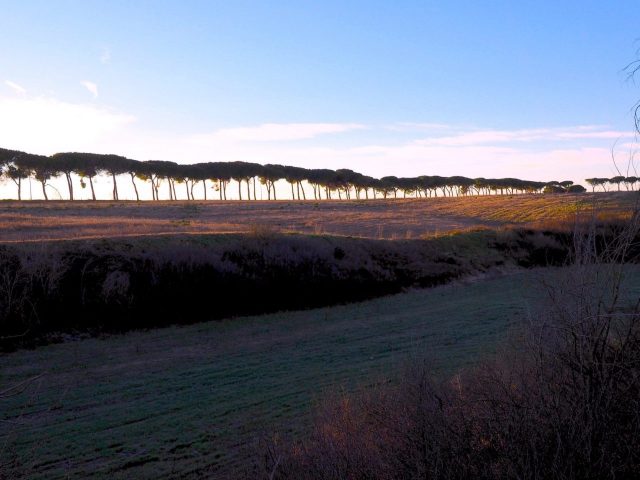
pixel 384 219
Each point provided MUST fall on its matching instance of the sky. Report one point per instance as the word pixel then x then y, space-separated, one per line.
pixel 528 89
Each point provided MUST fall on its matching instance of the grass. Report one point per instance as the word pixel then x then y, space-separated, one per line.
pixel 182 401
pixel 388 219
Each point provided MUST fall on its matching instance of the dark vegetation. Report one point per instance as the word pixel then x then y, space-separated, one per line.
pixel 343 184
pixel 117 285
pixel 563 402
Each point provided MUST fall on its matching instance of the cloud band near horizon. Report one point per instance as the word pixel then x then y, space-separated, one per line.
pixel 48 125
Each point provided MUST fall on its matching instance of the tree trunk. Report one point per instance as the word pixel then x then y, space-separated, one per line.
pixel 115 186
pixel 69 185
pixel 93 192
pixel 204 188
pixel 135 188
pixel 44 191
pixel 19 185
pixel 153 188
pixel 240 189
pixel 255 197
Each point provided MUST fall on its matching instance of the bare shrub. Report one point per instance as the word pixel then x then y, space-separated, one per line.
pixel 116 286
pixel 24 280
pixel 12 296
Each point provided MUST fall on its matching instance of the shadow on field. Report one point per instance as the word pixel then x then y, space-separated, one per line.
pixel 113 286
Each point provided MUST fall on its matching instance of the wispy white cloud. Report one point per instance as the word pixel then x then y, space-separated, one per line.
pixel 555 160
pixel 91 87
pixel 484 137
pixel 278 132
pixel 105 56
pixel 606 134
pixel 46 125
pixel 19 89
pixel 537 154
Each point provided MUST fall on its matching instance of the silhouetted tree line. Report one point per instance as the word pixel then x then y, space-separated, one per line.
pixel 629 183
pixel 164 179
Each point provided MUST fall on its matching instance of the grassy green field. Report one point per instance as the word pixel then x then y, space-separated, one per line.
pixel 181 401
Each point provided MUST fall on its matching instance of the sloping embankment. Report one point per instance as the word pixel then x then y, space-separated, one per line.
pixel 95 286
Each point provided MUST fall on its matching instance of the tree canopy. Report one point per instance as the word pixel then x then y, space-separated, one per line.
pixel 325 183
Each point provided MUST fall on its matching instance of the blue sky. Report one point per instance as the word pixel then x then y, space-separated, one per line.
pixel 533 89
